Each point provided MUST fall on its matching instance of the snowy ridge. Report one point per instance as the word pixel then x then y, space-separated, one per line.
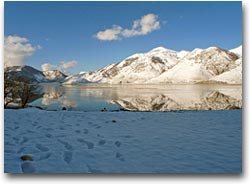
pixel 30 74
pixel 25 73
pixel 162 65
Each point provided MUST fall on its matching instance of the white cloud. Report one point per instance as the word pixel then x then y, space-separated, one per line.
pixel 16 50
pixel 15 39
pixel 109 34
pixel 69 64
pixel 64 66
pixel 143 26
pixel 48 67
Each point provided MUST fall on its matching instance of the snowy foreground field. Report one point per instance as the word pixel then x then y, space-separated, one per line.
pixel 123 142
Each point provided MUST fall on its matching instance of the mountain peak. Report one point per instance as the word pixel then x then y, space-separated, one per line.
pixel 161 49
pixel 214 48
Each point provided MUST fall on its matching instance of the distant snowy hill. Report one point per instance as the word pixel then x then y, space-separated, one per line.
pixel 26 73
pixel 30 74
pixel 162 65
pixel 75 80
pixel 54 75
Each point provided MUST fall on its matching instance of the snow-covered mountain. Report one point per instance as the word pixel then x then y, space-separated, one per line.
pixel 137 68
pixel 32 75
pixel 54 75
pixel 162 65
pixel 75 79
pixel 26 73
pixel 199 65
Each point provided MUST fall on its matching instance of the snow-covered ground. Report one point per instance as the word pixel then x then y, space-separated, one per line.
pixel 123 142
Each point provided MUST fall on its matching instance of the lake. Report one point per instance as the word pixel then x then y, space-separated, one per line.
pixel 134 97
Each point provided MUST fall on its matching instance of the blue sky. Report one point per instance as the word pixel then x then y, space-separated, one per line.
pixel 66 30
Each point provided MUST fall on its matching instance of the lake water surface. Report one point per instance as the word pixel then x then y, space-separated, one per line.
pixel 133 97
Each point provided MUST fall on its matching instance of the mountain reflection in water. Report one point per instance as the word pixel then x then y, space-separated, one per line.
pixel 141 97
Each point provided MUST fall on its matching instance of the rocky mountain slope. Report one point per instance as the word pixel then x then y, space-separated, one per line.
pixel 162 65
pixel 26 73
pixel 136 68
pixel 32 75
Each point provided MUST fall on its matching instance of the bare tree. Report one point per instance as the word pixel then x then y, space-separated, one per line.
pixel 8 89
pixel 18 91
pixel 24 92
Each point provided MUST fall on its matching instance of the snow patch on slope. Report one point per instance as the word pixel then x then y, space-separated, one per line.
pixel 233 76
pixel 237 50
pixel 185 72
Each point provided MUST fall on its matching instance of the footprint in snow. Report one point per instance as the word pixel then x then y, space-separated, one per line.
pixel 85 131
pixel 91 170
pixel 66 144
pixel 101 142
pixel 45 156
pixel 48 135
pixel 119 156
pixel 118 143
pixel 67 156
pixel 97 127
pixel 25 139
pixel 35 123
pixel 15 139
pixel 28 167
pixel 98 135
pixel 42 147
pixel 62 128
pixel 90 145
pixel 78 131
pixel 30 131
